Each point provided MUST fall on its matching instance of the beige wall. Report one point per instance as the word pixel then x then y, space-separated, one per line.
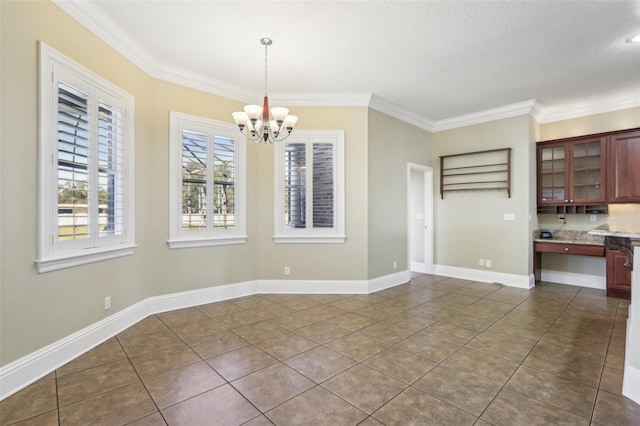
pixel 319 261
pixel 39 309
pixel 470 225
pixel 392 144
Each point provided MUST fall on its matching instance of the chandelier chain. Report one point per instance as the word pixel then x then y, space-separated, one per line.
pixel 266 46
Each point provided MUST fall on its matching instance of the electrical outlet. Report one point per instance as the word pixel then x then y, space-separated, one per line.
pixel 487 263
pixel 593 218
pixel 481 262
pixel 107 303
pixel 287 270
pixel 395 264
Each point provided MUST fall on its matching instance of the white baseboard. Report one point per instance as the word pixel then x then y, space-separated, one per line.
pixel 419 267
pixel 26 370
pixel 386 281
pixel 571 278
pixel 186 299
pixel 631 383
pixel 314 287
pixel 511 280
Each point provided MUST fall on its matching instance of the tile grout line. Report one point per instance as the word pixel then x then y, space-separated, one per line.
pixel 523 359
pixel 55 377
pixel 389 297
pixel 595 401
pixel 142 383
pixel 602 368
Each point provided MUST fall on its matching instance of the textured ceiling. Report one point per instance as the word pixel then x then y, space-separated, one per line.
pixel 433 59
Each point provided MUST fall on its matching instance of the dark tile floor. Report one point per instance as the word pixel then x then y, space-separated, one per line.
pixel 434 351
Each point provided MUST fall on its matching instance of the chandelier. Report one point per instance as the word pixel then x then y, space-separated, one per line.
pixel 262 127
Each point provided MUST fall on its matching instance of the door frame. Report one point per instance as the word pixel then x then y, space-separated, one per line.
pixel 427 265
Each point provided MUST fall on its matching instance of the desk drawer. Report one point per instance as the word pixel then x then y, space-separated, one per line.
pixel 564 248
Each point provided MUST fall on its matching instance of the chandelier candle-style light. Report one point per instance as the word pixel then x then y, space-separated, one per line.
pixel 261 126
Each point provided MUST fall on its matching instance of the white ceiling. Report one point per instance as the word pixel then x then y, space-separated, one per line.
pixel 430 61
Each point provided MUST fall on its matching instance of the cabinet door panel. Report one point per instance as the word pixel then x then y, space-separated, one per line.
pixel 587 171
pixel 551 174
pixel 618 275
pixel 624 168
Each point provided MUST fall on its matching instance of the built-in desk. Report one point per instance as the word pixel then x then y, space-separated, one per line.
pixel 578 243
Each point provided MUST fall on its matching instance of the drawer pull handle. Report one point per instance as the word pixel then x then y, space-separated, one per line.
pixel 566 249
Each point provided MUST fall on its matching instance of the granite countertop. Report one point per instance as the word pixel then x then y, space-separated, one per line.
pixel 567 236
pixel 625 229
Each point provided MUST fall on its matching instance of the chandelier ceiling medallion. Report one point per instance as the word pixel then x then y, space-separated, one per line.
pixel 261 126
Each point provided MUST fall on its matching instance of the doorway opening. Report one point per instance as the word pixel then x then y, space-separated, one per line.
pixel 420 217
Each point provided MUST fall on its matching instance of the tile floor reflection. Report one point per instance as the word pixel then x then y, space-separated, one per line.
pixel 436 350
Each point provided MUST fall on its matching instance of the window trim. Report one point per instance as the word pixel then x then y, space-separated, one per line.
pixel 52 255
pixel 309 235
pixel 179 238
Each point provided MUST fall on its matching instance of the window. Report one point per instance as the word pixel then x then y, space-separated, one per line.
pixel 207 183
pixel 85 166
pixel 309 188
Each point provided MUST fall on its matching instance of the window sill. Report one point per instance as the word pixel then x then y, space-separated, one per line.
pixel 69 260
pixel 205 242
pixel 309 239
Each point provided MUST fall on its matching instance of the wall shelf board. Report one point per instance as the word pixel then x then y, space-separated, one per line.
pixel 476 171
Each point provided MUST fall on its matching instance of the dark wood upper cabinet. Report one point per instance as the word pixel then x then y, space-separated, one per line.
pixel 583 174
pixel 624 168
pixel 572 171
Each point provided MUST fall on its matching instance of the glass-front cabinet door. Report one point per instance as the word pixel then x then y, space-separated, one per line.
pixel 572 172
pixel 552 182
pixel 587 171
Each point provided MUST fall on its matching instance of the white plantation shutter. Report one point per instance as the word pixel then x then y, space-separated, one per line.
pixel 111 170
pixel 310 188
pixel 323 185
pixel 224 178
pixel 295 185
pixel 73 163
pixel 91 160
pixel 85 166
pixel 194 180
pixel 206 193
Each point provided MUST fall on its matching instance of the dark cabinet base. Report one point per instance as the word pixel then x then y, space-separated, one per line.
pixel 618 275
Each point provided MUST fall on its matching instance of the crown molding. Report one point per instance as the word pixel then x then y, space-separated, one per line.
pixel 98 22
pixel 513 110
pixel 321 99
pixel 92 17
pixel 598 106
pixel 396 111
